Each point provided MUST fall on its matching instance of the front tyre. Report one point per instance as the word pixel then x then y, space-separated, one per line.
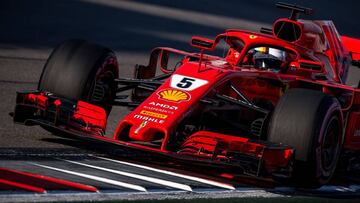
pixel 311 122
pixel 80 70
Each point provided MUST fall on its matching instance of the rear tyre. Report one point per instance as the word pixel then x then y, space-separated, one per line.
pixel 311 122
pixel 79 70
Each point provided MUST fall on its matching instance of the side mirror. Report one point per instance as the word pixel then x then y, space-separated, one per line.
pixel 308 65
pixel 202 43
pixel 170 59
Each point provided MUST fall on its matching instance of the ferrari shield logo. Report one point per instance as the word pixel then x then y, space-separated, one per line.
pixel 142 125
pixel 252 36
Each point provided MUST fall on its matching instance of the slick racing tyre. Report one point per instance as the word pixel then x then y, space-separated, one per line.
pixel 79 70
pixel 310 122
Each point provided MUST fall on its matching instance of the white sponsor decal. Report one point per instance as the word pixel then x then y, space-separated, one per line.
pixel 165 106
pixel 357 133
pixel 145 118
pixel 186 83
pixel 151 108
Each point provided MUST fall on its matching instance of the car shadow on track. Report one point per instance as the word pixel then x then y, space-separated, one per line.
pixel 340 187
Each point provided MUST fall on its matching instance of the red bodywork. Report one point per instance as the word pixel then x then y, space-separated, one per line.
pixel 320 61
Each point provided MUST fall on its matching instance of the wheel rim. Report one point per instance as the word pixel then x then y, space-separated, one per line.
pixel 330 144
pixel 104 82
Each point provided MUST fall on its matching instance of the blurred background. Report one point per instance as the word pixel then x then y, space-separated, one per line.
pixel 139 25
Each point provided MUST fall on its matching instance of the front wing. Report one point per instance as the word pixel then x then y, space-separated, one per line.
pixel 85 121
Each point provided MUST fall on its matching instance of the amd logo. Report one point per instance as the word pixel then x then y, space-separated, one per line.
pixel 165 106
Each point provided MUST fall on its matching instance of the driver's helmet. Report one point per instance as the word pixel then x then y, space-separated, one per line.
pixel 266 58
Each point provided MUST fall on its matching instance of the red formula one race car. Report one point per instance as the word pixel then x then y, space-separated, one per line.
pixel 276 105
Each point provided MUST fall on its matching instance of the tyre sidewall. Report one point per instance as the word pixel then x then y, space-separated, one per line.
pixel 300 120
pixel 328 109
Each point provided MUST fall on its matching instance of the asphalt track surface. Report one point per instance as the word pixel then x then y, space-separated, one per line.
pixel 30 29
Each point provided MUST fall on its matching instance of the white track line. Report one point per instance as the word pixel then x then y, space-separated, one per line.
pixel 96 178
pixel 193 178
pixel 140 177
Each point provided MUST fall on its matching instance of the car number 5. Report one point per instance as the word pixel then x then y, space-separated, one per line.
pixel 185 83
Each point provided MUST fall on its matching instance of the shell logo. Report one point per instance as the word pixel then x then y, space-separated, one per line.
pixel 174 95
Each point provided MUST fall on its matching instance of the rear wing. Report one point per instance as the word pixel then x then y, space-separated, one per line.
pixel 353 45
